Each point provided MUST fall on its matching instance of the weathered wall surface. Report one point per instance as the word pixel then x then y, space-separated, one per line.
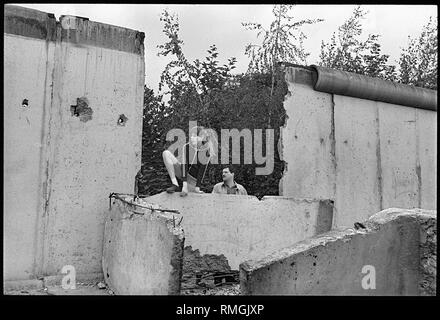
pixel 142 254
pixel 28 67
pixel 365 155
pixel 90 159
pixel 243 227
pixel 332 263
pixel 306 143
pixel 63 156
pixel 358 191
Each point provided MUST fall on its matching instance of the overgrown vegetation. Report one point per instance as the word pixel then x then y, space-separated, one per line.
pixel 418 60
pixel 210 93
pixel 347 51
pixel 283 41
pixel 207 92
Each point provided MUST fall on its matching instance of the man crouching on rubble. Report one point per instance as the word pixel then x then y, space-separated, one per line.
pixel 229 186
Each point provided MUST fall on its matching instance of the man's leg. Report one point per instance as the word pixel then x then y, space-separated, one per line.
pixel 171 163
pixel 190 186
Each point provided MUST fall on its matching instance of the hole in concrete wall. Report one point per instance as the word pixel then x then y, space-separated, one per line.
pixel 25 103
pixel 82 109
pixel 122 120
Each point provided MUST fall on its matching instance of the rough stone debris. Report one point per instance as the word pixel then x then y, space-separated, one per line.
pixel 428 257
pixel 208 270
pixel 225 290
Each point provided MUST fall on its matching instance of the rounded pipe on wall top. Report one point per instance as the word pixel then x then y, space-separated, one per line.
pixel 364 87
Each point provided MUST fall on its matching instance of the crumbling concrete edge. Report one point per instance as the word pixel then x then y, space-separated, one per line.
pixel 175 282
pixel 426 219
pixel 75 30
pixel 250 197
pixel 174 227
pixel 427 222
pixel 428 255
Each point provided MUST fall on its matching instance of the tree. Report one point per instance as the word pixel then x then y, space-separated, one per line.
pixel 190 80
pixel 346 51
pixel 418 61
pixel 223 100
pixel 157 119
pixel 282 42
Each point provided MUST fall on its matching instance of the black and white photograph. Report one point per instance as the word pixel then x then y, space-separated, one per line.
pixel 219 150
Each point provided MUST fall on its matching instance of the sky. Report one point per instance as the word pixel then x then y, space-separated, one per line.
pixel 204 25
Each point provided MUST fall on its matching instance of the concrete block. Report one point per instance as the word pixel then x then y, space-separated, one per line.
pixel 427 157
pixel 363 154
pixel 143 251
pixel 28 64
pixel 357 160
pixel 60 167
pixel 93 158
pixel 307 143
pixel 337 262
pixel 243 227
pixel 398 152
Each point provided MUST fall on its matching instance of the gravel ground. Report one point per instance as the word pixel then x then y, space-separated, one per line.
pixel 94 289
pixel 225 290
pixel 82 289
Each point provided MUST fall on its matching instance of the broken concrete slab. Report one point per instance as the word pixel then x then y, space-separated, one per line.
pixel 59 169
pixel 143 250
pixel 366 155
pixel 243 227
pixel 396 252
